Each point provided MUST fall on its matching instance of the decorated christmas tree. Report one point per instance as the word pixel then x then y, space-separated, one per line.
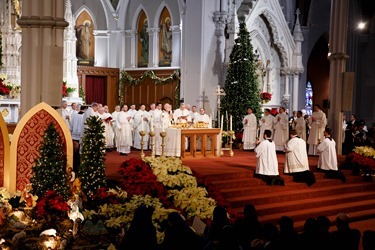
pixel 241 85
pixel 49 171
pixel 92 169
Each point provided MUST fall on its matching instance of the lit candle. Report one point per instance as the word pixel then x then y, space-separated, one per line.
pixel 226 116
pixel 222 122
pixel 231 122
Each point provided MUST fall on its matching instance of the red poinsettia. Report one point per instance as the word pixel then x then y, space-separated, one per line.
pixel 102 196
pixel 51 204
pixel 265 96
pixel 4 90
pixel 361 160
pixel 64 90
pixel 140 180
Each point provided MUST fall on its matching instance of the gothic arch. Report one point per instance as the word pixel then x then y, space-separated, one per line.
pixel 158 13
pixel 85 8
pixel 136 16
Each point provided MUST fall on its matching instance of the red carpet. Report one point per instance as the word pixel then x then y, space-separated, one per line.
pixel 234 177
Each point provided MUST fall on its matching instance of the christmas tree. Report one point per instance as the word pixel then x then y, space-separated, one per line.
pixel 49 171
pixel 92 169
pixel 241 85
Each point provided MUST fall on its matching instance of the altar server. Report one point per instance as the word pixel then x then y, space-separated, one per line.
pixel 250 130
pixel 296 162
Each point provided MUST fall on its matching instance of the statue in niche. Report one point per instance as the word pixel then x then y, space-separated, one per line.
pixel 83 33
pixel 166 41
pixel 144 40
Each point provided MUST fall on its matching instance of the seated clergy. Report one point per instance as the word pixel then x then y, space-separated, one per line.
pixel 296 162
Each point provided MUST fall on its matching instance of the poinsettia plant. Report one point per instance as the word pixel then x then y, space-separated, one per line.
pixel 4 89
pixel 265 96
pixel 52 204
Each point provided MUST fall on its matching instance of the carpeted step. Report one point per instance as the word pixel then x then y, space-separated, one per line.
pixel 229 175
pixel 289 195
pixel 330 210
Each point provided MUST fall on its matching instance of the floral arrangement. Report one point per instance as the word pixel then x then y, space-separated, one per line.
pixel 4 90
pixel 52 204
pixel 362 161
pixel 274 111
pixel 265 96
pixel 66 89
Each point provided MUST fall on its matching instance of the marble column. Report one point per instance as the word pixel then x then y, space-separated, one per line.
pixel 286 96
pixel 220 19
pixel 132 36
pixel 42 24
pixel 337 56
pixel 176 45
pixel 153 59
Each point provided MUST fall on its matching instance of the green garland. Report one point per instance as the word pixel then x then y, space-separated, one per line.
pixel 128 79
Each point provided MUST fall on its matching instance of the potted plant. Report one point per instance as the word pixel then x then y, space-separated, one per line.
pixel 70 91
pixel 265 96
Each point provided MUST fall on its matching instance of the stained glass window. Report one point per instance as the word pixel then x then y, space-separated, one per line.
pixel 309 99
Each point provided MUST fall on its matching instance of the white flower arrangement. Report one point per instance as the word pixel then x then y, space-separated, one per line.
pixel 365 151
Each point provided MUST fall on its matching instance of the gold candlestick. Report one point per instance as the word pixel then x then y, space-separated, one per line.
pixel 163 135
pixel 142 134
pixel 221 145
pixel 231 133
pixel 152 134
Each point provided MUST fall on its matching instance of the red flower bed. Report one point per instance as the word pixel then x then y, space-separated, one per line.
pixel 361 160
pixel 51 204
pixel 140 180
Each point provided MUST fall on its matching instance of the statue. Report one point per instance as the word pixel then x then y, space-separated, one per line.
pixel 84 40
pixel 166 39
pixel 143 38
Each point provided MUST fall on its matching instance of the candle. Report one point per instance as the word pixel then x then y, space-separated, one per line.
pixel 230 122
pixel 226 116
pixel 162 125
pixel 222 122
pixel 152 125
pixel 143 127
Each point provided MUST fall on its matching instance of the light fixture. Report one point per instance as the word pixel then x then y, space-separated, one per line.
pixel 361 25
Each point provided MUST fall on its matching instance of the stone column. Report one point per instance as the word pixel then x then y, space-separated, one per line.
pixel 42 24
pixel 337 56
pixel 131 35
pixel 220 18
pixel 286 96
pixel 296 75
pixel 176 45
pixel 153 59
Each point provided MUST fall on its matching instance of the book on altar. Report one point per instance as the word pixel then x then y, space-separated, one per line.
pixel 198 225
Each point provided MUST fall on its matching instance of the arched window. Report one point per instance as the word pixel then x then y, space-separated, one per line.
pixel 309 99
pixel 165 38
pixel 143 40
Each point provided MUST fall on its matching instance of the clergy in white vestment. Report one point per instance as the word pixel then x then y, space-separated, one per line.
pixel 76 128
pixel 266 156
pixel 317 123
pixel 91 111
pixel 296 162
pixel 299 124
pixel 156 117
pixel 114 117
pixel 141 120
pixel 152 109
pixel 182 115
pixel 249 130
pixel 193 112
pixel 66 113
pixel 202 117
pixel 124 127
pixel 108 130
pixel 166 116
pixel 281 125
pixel 266 123
pixel 328 157
pixel 132 110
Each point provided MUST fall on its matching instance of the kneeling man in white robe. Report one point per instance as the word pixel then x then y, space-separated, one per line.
pixel 297 163
pixel 328 157
pixel 267 165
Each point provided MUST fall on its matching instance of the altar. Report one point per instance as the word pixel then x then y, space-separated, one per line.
pixel 9 108
pixel 189 142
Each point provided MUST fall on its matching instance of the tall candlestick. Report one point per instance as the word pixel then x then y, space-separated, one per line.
pixel 222 122
pixel 226 116
pixel 231 122
pixel 152 125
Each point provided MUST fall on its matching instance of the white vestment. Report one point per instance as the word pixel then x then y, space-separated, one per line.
pixel 114 116
pixel 296 156
pixel 178 113
pixel 108 130
pixel 249 131
pixel 141 126
pixel 281 133
pixel 193 114
pixel 66 115
pixel 318 124
pixel 265 123
pixel 89 112
pixel 132 112
pixel 266 158
pixel 124 132
pixel 156 117
pixel 327 155
pixel 203 118
pixel 299 125
pixel 76 125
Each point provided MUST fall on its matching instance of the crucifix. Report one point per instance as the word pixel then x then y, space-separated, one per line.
pixel 219 92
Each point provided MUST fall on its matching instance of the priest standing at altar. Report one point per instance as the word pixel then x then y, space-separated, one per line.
pixel 318 123
pixel 250 130
pixel 202 117
pixel 266 123
pixel 141 123
pixel 124 129
pixel 182 115
pixel 281 134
